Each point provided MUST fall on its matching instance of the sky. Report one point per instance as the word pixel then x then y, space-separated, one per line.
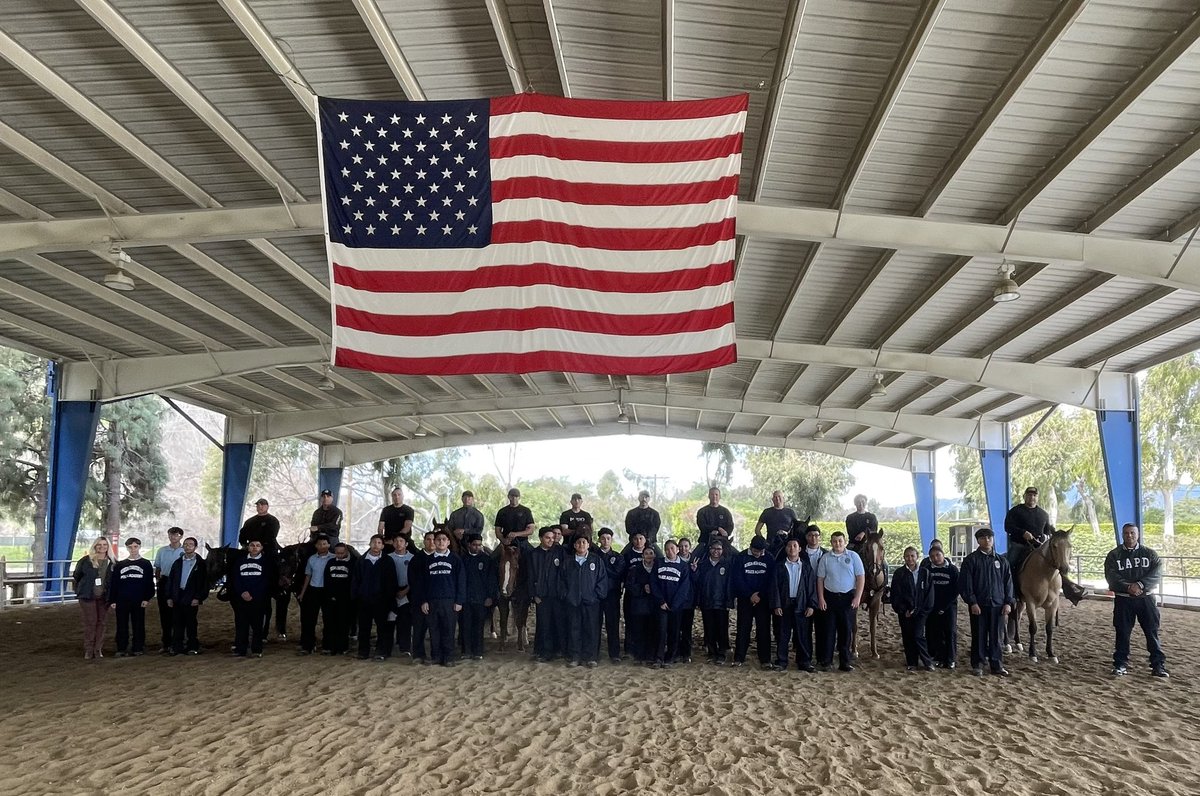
pixel 679 461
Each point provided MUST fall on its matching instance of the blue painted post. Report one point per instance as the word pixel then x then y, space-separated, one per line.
pixel 997 488
pixel 237 460
pixel 72 432
pixel 330 478
pixel 1121 447
pixel 926 494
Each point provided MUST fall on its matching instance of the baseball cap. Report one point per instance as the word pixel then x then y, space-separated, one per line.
pixel 262 502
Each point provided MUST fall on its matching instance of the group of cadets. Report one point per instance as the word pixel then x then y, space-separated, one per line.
pixel 796 599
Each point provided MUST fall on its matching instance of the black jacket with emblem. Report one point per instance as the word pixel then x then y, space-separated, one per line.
pixel 1124 567
pixel 586 583
pixel 985 580
pixel 712 584
pixel 545 572
pixel 482 578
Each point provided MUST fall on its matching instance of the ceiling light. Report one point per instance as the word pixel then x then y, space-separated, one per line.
pixel 420 432
pixel 622 417
pixel 820 433
pixel 117 279
pixel 878 391
pixel 1006 289
pixel 326 384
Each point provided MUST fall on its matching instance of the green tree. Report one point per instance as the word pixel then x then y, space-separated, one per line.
pixel 24 436
pixel 1170 418
pixel 719 459
pixel 129 471
pixel 812 483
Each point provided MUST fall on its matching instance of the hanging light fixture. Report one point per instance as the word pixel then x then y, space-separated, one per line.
pixel 878 391
pixel 1006 289
pixel 420 432
pixel 116 278
pixel 621 416
pixel 819 434
pixel 326 384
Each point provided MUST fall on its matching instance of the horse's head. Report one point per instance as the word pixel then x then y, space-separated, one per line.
pixel 872 554
pixel 216 562
pixel 510 567
pixel 1058 548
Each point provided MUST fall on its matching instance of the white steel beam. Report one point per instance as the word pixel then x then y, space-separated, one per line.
pixel 667 37
pixel 385 40
pixel 507 40
pixel 783 67
pixel 556 46
pixel 279 62
pixel 166 73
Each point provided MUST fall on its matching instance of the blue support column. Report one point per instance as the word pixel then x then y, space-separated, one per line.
pixel 72 433
pixel 1121 447
pixel 330 478
pixel 926 494
pixel 237 460
pixel 997 488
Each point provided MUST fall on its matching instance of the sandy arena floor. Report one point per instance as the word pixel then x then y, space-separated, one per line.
pixel 287 725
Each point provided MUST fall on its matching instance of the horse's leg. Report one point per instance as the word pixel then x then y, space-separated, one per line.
pixel 874 614
pixel 1030 612
pixel 1051 614
pixel 504 602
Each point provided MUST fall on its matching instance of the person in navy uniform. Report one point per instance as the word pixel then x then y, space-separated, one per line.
pixel 712 518
pixel 641 632
pixel 811 553
pixel 545 581
pixel 584 587
pixel 644 520
pixel 444 590
pixel 671 585
pixel 793 598
pixel 335 597
pixel 610 607
pixel 417 569
pixel 375 597
pixel 985 584
pixel 912 600
pixel 251 580
pixel 483 589
pixel 711 581
pixel 1134 573
pixel 751 587
pixel 187 588
pixel 130 590
pixel 941 628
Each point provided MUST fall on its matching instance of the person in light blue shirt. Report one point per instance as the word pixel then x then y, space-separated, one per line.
pixel 840 581
pixel 312 595
pixel 164 558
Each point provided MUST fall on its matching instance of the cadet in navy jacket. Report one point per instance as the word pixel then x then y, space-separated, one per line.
pixel 794 600
pixel 641 611
pixel 584 587
pixel 444 587
pixel 912 600
pixel 187 589
pixel 251 581
pixel 986 586
pixel 610 607
pixel 417 569
pixel 671 586
pixel 712 580
pixel 337 603
pixel 130 589
pixel 545 587
pixel 375 597
pixel 941 626
pixel 750 585
pixel 483 590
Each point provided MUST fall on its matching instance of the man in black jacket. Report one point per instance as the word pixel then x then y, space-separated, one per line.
pixel 751 587
pixel 262 527
pixel 327 520
pixel 714 597
pixel 444 590
pixel 610 607
pixel 374 597
pixel 482 591
pixel 1027 525
pixel 644 520
pixel 584 587
pixel 187 588
pixel 545 581
pixel 912 600
pixel 794 601
pixel 251 579
pixel 985 585
pixel 1134 572
pixel 941 628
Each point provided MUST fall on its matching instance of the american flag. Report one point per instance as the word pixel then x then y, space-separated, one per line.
pixel 531 233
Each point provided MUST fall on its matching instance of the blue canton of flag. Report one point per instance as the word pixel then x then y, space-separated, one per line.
pixel 407 174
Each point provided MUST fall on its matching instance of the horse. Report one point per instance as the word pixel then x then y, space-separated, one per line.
pixel 513 594
pixel 872 553
pixel 1041 580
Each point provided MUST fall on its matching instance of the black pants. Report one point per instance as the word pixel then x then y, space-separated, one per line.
pixel 402 628
pixel 313 607
pixel 627 611
pixel 641 636
pixel 561 612
pixel 474 617
pixel 687 624
pixel 841 627
pixel 716 631
pixel 794 631
pixel 281 601
pixel 760 617
pixel 183 628
pixel 420 631
pixel 442 621
pixel 374 612
pixel 668 635
pixel 583 632
pixel 818 632
pixel 941 635
pixel 610 614
pixel 545 631
pixel 248 623
pixel 1142 609
pixel 131 614
pixel 164 614
pixel 912 636
pixel 987 634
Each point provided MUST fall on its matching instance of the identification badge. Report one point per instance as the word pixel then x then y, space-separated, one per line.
pixel 481 566
pixel 996 563
pixel 721 571
pixel 99 581
pixel 592 566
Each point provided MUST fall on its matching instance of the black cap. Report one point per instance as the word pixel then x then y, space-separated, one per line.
pixel 262 502
pixel 325 492
pixel 514 492
pixel 468 494
pixel 982 532
pixel 605 532
pixel 132 540
pixel 645 493
pixel 758 543
pixel 576 496
pixel 1031 490
pixel 472 537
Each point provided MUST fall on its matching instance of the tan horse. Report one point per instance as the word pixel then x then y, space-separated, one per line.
pixel 1041 580
pixel 512 597
pixel 872 554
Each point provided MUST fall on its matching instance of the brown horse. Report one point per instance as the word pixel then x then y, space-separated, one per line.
pixel 872 554
pixel 1041 581
pixel 512 594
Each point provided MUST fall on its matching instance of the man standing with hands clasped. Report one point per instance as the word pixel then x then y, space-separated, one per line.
pixel 1133 572
pixel 985 584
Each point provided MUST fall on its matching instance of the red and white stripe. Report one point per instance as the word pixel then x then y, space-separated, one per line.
pixel 612 251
